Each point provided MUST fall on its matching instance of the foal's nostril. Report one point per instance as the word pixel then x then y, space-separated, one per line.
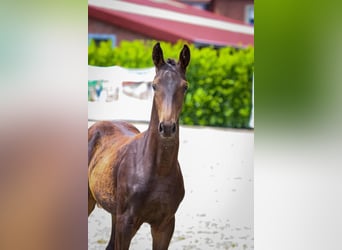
pixel 161 127
pixel 174 128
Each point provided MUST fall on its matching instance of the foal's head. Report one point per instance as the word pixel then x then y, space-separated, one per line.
pixel 169 87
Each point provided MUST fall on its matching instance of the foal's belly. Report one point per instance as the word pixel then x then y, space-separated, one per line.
pixel 101 180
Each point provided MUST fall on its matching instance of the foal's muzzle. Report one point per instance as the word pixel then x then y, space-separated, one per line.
pixel 167 129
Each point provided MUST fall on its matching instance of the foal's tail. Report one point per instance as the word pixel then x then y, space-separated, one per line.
pixel 93 137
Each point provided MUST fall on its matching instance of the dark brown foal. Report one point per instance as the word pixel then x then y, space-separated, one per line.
pixel 136 176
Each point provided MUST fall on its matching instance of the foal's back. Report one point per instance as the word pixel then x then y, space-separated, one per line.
pixel 101 134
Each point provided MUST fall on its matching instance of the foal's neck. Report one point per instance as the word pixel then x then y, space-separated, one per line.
pixel 164 152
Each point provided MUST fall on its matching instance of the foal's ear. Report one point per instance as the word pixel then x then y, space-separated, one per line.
pixel 157 56
pixel 184 58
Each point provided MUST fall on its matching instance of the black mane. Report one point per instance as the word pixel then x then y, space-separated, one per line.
pixel 171 62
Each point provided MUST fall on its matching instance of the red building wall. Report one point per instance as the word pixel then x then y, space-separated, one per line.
pixel 99 27
pixel 231 8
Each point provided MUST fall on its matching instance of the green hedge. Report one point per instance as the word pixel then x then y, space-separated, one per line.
pixel 220 92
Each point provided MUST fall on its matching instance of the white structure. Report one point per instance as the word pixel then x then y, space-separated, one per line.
pixel 132 102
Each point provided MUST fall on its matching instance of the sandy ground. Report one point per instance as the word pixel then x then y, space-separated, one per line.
pixel 217 210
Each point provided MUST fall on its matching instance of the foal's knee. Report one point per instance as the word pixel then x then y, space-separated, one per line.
pixel 124 224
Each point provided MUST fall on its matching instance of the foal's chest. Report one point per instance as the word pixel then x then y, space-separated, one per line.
pixel 161 200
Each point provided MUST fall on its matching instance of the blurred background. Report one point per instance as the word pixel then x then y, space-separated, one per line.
pixel 44 111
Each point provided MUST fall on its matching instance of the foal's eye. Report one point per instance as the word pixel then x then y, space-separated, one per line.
pixel 185 87
pixel 154 86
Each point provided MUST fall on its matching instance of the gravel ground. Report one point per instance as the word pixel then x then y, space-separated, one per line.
pixel 217 210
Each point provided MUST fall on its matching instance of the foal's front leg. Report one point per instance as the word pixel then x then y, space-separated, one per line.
pixel 162 234
pixel 126 227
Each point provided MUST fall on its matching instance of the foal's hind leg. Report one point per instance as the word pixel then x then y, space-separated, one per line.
pixel 111 243
pixel 162 234
pixel 91 202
